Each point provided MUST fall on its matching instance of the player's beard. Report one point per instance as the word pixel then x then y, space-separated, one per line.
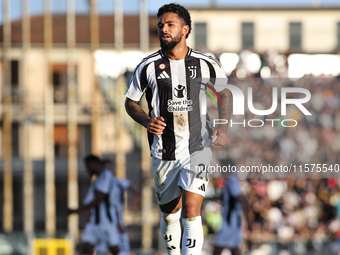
pixel 169 46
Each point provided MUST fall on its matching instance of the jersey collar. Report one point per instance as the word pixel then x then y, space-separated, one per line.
pixel 188 53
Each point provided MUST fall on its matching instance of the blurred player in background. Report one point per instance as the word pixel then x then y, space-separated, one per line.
pixel 102 224
pixel 177 136
pixel 120 186
pixel 234 204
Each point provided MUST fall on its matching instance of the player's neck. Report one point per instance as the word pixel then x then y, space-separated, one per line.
pixel 177 53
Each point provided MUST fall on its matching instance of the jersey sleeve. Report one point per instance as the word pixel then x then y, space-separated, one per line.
pixel 218 69
pixel 89 196
pixel 138 83
pixel 217 77
pixel 234 187
pixel 102 183
pixel 221 78
pixel 124 183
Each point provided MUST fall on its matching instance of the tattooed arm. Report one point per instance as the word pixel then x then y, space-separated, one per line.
pixel 224 113
pixel 154 126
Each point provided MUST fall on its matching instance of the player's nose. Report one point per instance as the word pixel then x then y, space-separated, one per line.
pixel 165 29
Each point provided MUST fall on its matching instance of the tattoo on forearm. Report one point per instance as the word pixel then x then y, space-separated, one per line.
pixel 226 107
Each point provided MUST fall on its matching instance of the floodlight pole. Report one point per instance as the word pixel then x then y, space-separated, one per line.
pixel 28 168
pixel 147 220
pixel 96 92
pixel 144 25
pixel 72 120
pixel 119 86
pixel 7 121
pixel 119 25
pixel 50 196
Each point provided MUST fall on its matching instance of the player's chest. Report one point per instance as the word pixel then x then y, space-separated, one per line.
pixel 168 77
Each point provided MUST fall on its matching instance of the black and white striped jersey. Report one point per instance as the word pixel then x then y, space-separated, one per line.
pixel 105 212
pixel 173 92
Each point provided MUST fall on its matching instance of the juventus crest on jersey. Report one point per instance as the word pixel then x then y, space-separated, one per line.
pixel 172 92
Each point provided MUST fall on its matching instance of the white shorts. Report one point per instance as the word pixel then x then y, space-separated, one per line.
pixel 106 234
pixel 124 245
pixel 170 175
pixel 229 235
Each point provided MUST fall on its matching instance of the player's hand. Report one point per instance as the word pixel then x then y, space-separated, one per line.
pixel 156 126
pixel 121 228
pixel 70 211
pixel 221 137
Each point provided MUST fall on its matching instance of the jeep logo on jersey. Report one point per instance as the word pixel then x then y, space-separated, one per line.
pixel 179 91
pixel 192 70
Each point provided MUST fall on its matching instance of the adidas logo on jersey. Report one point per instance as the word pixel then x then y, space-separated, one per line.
pixel 202 187
pixel 163 75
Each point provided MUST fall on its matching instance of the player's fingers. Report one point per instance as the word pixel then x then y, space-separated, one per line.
pixel 220 141
pixel 159 122
pixel 224 139
pixel 157 126
pixel 156 133
pixel 216 143
pixel 156 129
pixel 221 138
pixel 214 134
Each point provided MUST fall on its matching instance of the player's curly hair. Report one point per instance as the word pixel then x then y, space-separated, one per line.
pixel 92 158
pixel 181 11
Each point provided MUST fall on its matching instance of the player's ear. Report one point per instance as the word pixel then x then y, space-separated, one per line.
pixel 185 30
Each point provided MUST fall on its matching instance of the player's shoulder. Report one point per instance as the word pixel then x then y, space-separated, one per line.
pixel 206 57
pixel 149 59
pixel 122 180
pixel 106 174
pixel 123 183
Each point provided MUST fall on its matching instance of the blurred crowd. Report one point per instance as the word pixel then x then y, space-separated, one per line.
pixel 283 211
pixel 301 206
